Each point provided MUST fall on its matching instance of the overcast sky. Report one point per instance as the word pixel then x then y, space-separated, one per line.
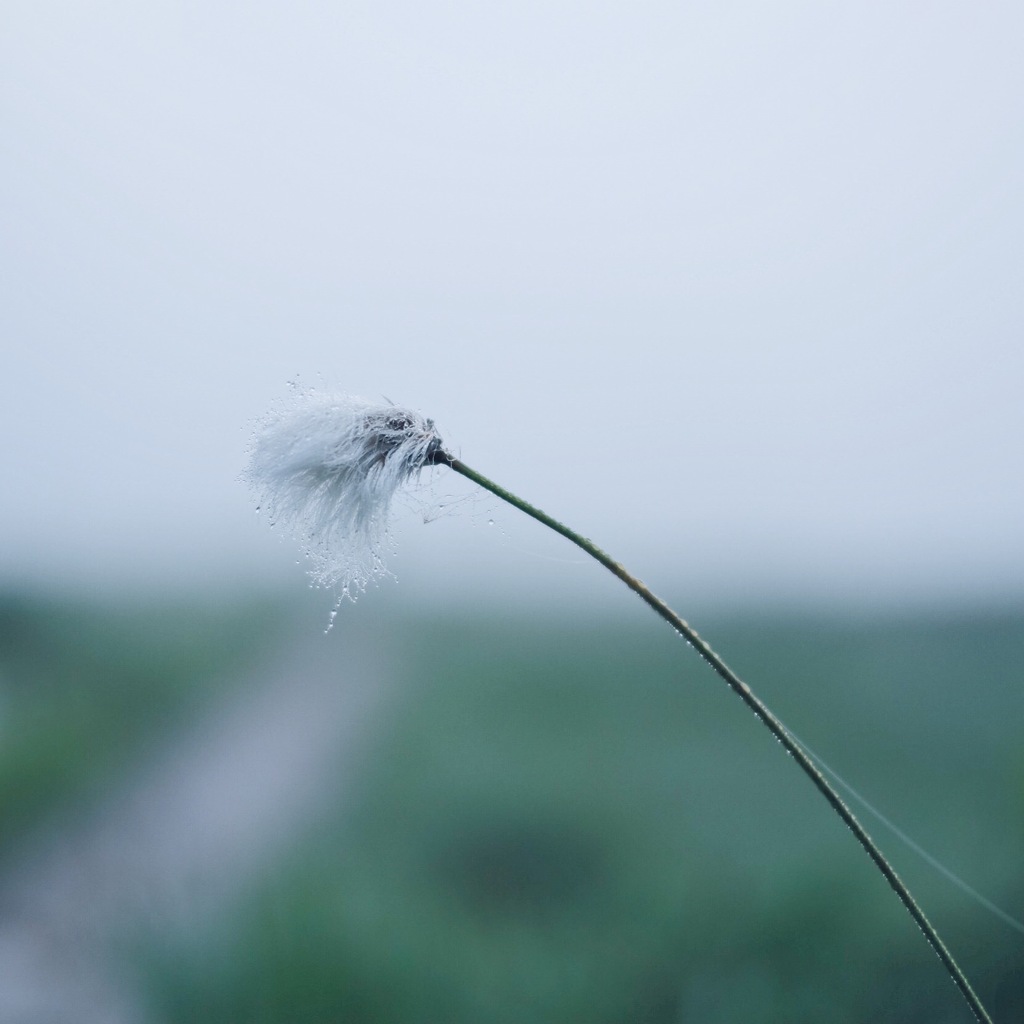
pixel 733 287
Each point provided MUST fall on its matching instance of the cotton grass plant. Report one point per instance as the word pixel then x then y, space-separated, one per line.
pixel 326 467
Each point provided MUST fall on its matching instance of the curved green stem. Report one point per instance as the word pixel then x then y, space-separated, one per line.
pixel 743 691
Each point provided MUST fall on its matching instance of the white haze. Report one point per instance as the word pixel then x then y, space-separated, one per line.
pixel 734 288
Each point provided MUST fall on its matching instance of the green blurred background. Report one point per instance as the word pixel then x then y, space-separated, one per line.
pixel 473 817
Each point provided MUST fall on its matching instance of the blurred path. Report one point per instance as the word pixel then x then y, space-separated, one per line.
pixel 188 831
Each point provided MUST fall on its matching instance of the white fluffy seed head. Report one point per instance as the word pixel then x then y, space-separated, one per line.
pixel 325 467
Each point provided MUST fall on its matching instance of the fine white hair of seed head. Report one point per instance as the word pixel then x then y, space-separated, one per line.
pixel 325 467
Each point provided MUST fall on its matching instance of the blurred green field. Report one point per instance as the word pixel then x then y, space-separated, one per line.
pixel 84 689
pixel 571 822
pixel 566 821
